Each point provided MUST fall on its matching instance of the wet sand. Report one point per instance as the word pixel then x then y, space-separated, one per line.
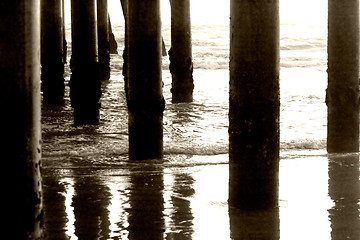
pixel 319 199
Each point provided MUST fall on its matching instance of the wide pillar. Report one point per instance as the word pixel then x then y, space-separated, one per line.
pixel 144 94
pixel 85 85
pixel 254 104
pixel 103 39
pixel 52 52
pixel 20 118
pixel 180 54
pixel 342 96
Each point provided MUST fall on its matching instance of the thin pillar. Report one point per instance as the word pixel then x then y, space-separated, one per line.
pixel 64 33
pixel 103 39
pixel 180 54
pixel 52 37
pixel 342 96
pixel 144 95
pixel 20 118
pixel 85 85
pixel 112 40
pixel 254 104
pixel 124 6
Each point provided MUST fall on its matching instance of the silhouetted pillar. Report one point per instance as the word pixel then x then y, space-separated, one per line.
pixel 254 104
pixel 124 6
pixel 64 32
pixel 85 86
pixel 20 118
pixel 103 39
pixel 112 40
pixel 342 96
pixel 180 54
pixel 52 37
pixel 144 95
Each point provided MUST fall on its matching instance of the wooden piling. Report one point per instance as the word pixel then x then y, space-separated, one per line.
pixel 254 104
pixel 342 96
pixel 64 33
pixel 52 52
pixel 103 39
pixel 124 6
pixel 85 85
pixel 144 95
pixel 20 118
pixel 112 40
pixel 180 54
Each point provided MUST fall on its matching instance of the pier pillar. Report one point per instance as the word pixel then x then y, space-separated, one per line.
pixel 342 95
pixel 52 52
pixel 103 39
pixel 254 104
pixel 85 85
pixel 124 6
pixel 20 118
pixel 64 33
pixel 112 40
pixel 144 94
pixel 180 54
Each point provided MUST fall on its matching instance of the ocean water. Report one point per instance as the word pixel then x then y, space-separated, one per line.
pixel 201 126
pixel 92 190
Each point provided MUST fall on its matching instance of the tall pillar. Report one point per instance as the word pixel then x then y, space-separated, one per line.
pixel 124 6
pixel 180 54
pixel 254 104
pixel 112 40
pixel 20 118
pixel 342 96
pixel 85 85
pixel 144 95
pixel 52 37
pixel 103 39
pixel 64 33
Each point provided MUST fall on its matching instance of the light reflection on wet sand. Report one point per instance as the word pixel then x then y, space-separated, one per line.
pixel 319 199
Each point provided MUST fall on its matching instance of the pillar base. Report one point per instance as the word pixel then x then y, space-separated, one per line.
pixel 104 70
pixel 85 93
pixel 181 69
pixel 54 96
pixel 87 116
pixel 53 83
pixel 182 95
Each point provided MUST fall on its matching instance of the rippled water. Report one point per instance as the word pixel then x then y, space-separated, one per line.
pixel 92 190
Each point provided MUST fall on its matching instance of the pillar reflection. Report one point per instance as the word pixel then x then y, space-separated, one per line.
pixel 90 205
pixel 145 213
pixel 344 190
pixel 182 216
pixel 54 206
pixel 260 224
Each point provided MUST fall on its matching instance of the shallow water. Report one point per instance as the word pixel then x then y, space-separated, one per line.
pixel 92 190
pixel 186 198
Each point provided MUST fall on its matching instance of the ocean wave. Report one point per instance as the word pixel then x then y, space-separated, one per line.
pixel 303 144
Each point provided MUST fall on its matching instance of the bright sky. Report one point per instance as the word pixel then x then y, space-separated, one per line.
pixel 218 11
